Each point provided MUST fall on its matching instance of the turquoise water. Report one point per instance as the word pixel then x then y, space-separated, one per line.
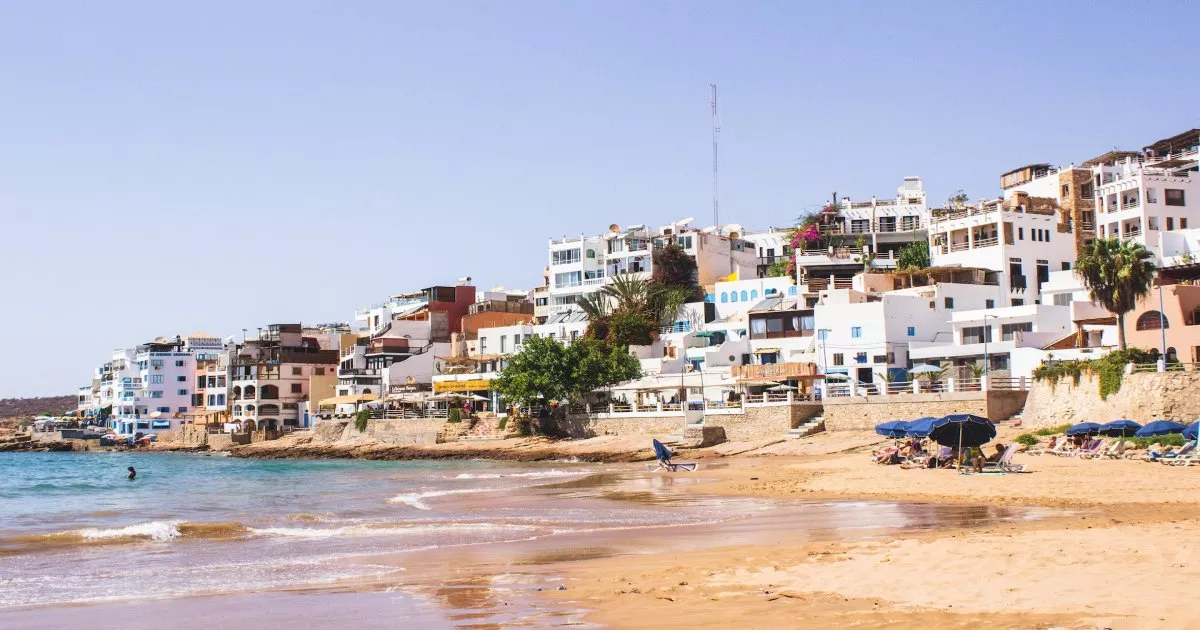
pixel 74 529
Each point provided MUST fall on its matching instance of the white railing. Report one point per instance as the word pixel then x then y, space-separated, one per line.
pixel 987 242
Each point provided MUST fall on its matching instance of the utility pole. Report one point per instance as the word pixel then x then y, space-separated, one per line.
pixel 716 130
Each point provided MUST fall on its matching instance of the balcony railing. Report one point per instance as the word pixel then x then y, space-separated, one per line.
pixel 987 242
pixel 959 247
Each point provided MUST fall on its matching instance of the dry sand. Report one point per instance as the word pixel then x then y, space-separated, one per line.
pixel 1117 554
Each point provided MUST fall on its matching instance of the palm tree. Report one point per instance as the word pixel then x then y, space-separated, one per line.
pixel 1117 274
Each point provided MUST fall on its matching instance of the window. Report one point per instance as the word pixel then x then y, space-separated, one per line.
pixel 156 393
pixel 792 290
pixel 733 296
pixel 179 364
pixel 1066 266
pixel 182 392
pixel 296 388
pixel 856 332
pixel 768 358
pixel 1016 302
pixel 182 409
pixel 724 297
pixel 1152 320
pixel 180 379
pixel 838 359
pixel 1170 223
pixel 879 358
pixel 318 371
pixel 1066 190
pixel 949 302
pixel 220 399
pixel 1043 272
pixel 861 357
pixel 574 335
pixel 989 304
pixel 1087 191
pixel 912 331
pixel 156 363
pixel 568 279
pixel 745 297
pixel 296 371
pixel 1173 196
pixel 156 379
pixel 754 294
pixel 1062 299
pixel 482 345
pixel 1020 234
pixel 564 257
pixel 503 339
pixel 1008 332
pixel 822 334
pixel 1183 223
pixel 975 334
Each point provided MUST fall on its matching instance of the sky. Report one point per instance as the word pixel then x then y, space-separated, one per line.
pixel 176 167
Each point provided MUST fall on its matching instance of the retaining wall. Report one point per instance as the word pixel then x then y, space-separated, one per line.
pixel 1143 397
pixel 752 424
pixel 863 414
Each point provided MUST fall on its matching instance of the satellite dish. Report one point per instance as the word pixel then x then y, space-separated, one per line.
pixel 685 221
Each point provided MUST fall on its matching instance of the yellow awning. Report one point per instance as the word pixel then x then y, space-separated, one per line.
pixel 347 400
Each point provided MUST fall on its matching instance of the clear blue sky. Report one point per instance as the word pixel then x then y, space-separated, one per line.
pixel 168 167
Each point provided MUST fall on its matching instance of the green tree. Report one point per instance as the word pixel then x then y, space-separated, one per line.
pixel 546 369
pixel 673 267
pixel 629 309
pixel 915 255
pixel 1117 274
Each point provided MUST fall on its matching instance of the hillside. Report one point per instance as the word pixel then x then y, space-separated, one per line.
pixel 26 407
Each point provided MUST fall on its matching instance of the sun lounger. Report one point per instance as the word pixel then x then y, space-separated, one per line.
pixel 1004 464
pixel 1093 451
pixel 664 460
pixel 1186 456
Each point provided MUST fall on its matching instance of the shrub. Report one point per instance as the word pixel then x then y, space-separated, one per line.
pixel 1028 439
pixel 1062 428
pixel 1108 369
pixel 361 419
pixel 503 423
pixel 524 426
pixel 1173 439
pixel 455 415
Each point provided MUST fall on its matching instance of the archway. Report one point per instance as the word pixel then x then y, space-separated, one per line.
pixel 1152 320
pixel 249 391
pixel 269 392
pixel 250 426
pixel 237 392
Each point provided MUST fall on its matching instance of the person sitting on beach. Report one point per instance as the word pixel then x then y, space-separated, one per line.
pixel 889 455
pixel 998 455
pixel 944 458
pixel 1065 445
pixel 1157 452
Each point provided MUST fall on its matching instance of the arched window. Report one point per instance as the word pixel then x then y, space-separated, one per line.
pixel 366 390
pixel 792 290
pixel 237 410
pixel 724 297
pixel 237 392
pixel 733 296
pixel 745 298
pixel 754 294
pixel 249 410
pixel 250 391
pixel 1172 356
pixel 269 392
pixel 268 410
pixel 1152 320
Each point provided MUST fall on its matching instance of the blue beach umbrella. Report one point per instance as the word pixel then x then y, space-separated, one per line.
pixel 1119 428
pixel 962 429
pixel 893 429
pixel 1084 428
pixel 921 427
pixel 1159 427
pixel 1190 432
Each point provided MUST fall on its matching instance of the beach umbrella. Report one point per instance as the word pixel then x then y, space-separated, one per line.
pixel 921 427
pixel 1190 432
pixel 925 369
pixel 1084 428
pixel 1159 427
pixel 963 429
pixel 1119 428
pixel 895 429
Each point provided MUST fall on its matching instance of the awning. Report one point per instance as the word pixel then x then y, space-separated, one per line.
pixel 767 351
pixel 347 400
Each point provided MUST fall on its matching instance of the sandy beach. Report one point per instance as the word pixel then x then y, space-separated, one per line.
pixel 1117 551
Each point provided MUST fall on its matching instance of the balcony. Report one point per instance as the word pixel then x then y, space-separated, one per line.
pixel 960 247
pixel 987 242
pixel 780 371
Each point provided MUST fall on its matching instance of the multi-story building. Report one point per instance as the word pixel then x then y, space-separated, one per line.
pixel 858 235
pixel 270 375
pixel 1149 196
pixel 772 246
pixel 148 387
pixel 211 388
pixel 1018 238
pixel 580 266
pixel 1069 190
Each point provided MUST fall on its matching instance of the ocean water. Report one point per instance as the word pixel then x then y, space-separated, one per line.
pixel 74 529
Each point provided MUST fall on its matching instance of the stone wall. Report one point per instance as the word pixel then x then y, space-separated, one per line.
pixel 755 423
pixel 1143 397
pixel 400 431
pixel 863 414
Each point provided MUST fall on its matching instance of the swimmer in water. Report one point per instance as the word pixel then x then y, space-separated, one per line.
pixel 132 473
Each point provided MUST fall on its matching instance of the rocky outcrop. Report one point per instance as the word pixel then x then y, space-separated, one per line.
pixel 24 443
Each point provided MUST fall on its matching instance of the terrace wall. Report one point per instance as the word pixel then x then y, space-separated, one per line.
pixel 1143 397
pixel 863 414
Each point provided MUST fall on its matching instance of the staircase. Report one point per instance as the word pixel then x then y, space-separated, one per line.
pixel 815 425
pixel 1015 419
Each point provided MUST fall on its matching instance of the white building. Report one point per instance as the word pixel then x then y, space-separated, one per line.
pixel 1149 200
pixel 580 266
pixel 861 234
pixel 1021 243
pixel 149 388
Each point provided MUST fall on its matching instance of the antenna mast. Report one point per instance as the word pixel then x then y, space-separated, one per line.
pixel 716 130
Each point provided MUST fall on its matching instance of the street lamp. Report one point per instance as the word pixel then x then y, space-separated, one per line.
pixel 1162 324
pixel 823 333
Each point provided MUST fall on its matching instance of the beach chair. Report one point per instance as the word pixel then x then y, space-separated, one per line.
pixel 1185 456
pixel 663 454
pixel 1093 451
pixel 1004 464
